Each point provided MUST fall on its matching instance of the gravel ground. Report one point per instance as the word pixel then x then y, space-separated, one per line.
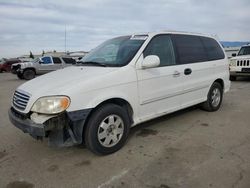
pixel 189 149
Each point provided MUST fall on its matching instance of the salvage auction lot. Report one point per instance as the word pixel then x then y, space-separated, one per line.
pixel 190 148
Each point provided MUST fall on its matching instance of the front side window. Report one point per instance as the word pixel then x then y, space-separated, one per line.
pixel 115 52
pixel 46 60
pixel 189 49
pixel 162 47
pixel 244 51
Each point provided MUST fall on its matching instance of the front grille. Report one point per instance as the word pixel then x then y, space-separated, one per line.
pixel 20 100
pixel 243 63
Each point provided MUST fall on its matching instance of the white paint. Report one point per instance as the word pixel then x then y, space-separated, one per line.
pixel 113 178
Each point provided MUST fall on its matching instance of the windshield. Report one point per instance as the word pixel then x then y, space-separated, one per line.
pixel 116 52
pixel 244 51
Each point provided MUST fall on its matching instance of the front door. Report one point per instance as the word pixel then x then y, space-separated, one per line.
pixel 159 88
pixel 45 66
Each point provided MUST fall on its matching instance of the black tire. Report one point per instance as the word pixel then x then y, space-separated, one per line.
pixel 29 74
pixel 93 128
pixel 232 78
pixel 209 105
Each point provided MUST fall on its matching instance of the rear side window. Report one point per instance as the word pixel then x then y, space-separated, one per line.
pixel 189 49
pixel 213 49
pixel 161 46
pixel 57 60
pixel 69 60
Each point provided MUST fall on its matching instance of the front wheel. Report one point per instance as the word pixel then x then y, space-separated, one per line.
pixel 214 98
pixel 29 74
pixel 107 129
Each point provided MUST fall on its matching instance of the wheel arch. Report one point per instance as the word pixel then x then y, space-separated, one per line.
pixel 116 100
pixel 30 68
pixel 221 82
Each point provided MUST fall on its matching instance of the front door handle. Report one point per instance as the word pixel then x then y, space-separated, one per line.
pixel 176 74
pixel 187 71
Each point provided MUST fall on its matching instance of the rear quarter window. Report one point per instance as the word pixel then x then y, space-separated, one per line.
pixel 213 49
pixel 69 60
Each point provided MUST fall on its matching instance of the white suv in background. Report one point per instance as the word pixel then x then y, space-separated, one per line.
pixel 240 64
pixel 121 83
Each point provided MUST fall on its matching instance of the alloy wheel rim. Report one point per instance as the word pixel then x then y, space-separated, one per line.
pixel 216 97
pixel 110 131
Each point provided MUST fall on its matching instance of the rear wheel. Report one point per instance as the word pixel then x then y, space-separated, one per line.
pixel 214 98
pixel 232 78
pixel 107 129
pixel 29 74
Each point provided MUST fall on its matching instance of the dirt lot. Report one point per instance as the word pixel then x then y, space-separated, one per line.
pixel 189 149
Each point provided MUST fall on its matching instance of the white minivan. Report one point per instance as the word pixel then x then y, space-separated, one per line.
pixel 121 83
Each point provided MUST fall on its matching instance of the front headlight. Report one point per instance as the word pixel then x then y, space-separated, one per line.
pixel 51 105
pixel 232 62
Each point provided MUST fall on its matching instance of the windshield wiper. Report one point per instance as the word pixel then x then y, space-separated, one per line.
pixel 92 63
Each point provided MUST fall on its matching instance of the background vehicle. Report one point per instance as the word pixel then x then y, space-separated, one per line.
pixel 29 70
pixel 121 83
pixel 240 64
pixel 5 66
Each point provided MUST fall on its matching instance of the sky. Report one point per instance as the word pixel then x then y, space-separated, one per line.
pixel 37 25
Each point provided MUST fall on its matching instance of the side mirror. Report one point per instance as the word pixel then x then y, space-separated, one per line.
pixel 151 61
pixel 41 62
pixel 234 55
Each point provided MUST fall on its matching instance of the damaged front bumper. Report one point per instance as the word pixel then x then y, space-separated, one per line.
pixel 62 130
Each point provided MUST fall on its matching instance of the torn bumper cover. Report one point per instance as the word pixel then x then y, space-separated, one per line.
pixel 63 130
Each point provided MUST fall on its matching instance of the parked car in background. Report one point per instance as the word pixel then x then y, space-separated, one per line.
pixel 121 83
pixel 28 70
pixel 240 63
pixel 5 65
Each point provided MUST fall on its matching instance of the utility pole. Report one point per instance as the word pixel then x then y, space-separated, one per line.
pixel 65 40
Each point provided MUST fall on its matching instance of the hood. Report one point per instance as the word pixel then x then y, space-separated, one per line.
pixel 241 57
pixel 27 64
pixel 57 82
pixel 23 64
